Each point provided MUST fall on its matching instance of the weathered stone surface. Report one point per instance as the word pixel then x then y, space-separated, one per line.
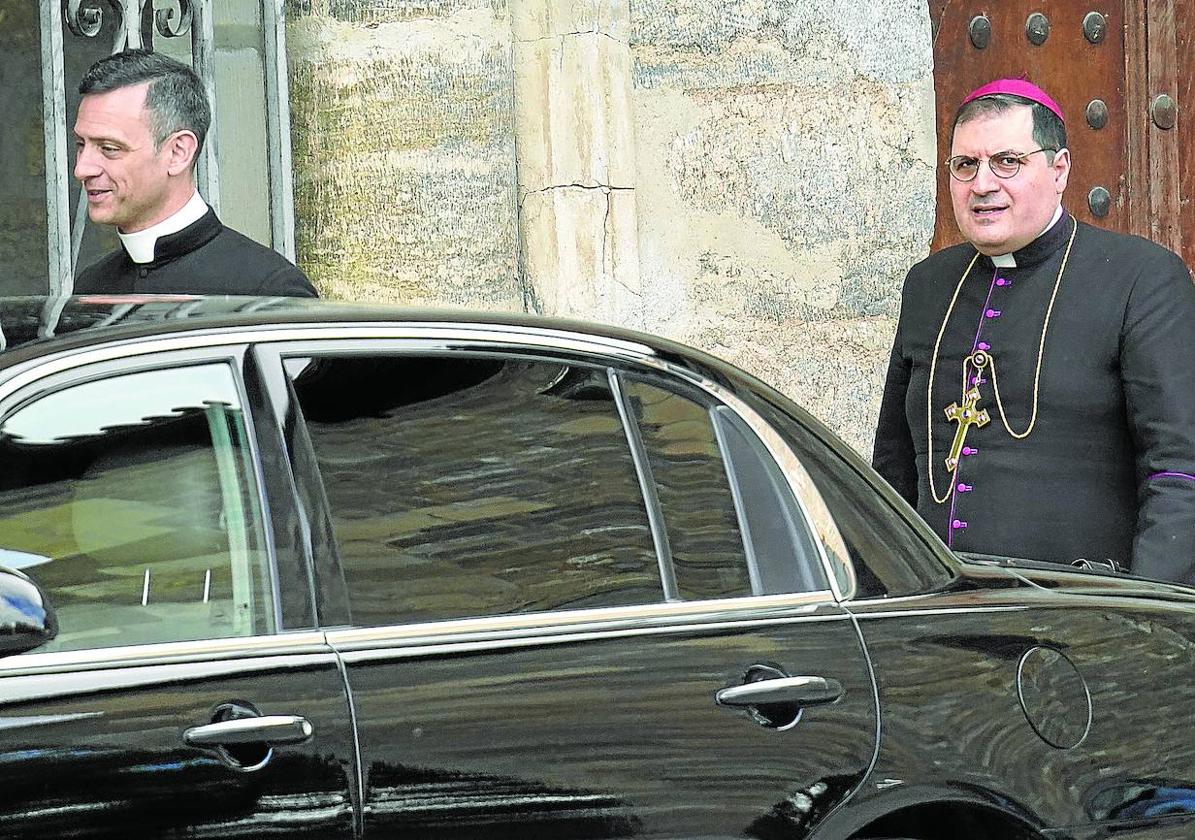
pixel 534 20
pixel 785 155
pixel 573 111
pixel 580 254
pixel 404 152
pixel 750 176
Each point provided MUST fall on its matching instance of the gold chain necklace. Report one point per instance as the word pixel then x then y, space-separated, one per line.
pixel 986 360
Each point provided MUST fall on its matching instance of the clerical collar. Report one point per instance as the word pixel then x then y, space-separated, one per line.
pixel 1029 252
pixel 141 245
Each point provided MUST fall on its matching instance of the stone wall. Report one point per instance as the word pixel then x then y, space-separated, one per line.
pixel 785 183
pixel 752 177
pixel 404 150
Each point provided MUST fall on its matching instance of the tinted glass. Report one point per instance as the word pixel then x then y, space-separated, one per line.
pixel 131 500
pixel 694 493
pixel 784 553
pixel 474 486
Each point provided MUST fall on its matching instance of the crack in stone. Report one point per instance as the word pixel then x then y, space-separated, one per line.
pixel 563 35
pixel 574 186
pixel 606 235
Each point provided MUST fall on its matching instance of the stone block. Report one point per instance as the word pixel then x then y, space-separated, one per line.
pixel 574 115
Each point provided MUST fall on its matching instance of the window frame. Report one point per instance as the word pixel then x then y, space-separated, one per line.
pixel 45 377
pixel 532 344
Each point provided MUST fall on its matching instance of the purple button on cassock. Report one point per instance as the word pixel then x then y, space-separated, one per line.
pixel 983 345
pixel 958 524
pixel 965 488
pixel 992 313
pixel 1000 281
pixel 970 450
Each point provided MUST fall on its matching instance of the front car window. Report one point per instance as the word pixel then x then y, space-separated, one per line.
pixel 131 500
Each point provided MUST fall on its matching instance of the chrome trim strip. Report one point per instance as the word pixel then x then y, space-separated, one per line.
pixel 165 653
pixel 863 615
pixel 30 721
pixel 355 649
pixel 666 616
pixel 450 336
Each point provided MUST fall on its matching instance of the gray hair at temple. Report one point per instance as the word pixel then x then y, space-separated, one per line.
pixel 1049 131
pixel 175 98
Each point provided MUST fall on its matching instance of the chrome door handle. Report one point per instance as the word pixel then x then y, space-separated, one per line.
pixel 269 729
pixel 801 691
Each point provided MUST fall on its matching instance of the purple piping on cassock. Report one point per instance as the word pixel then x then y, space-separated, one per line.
pixel 1171 475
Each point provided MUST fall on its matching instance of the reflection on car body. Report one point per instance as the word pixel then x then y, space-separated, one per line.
pixel 318 570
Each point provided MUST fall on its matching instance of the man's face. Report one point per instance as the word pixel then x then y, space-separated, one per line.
pixel 1001 215
pixel 126 179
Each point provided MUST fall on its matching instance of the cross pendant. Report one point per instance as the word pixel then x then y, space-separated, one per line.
pixel 966 417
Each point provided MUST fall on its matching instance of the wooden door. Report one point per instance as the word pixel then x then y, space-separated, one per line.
pixel 1183 135
pixel 1106 62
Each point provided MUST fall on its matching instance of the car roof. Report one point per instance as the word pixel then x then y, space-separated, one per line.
pixel 36 326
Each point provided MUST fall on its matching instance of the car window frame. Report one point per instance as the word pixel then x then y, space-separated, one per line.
pixel 46 375
pixel 545 344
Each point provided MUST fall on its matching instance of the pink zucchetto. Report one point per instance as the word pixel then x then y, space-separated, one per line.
pixel 1017 87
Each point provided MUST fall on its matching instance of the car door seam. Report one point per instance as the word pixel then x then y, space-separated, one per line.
pixel 359 769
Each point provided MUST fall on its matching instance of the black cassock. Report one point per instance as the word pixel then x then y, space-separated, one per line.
pixel 204 258
pixel 1108 470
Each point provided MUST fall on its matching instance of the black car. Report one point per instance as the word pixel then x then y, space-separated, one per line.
pixel 289 568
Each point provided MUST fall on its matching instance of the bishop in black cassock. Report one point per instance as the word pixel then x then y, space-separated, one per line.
pixel 1108 469
pixel 1040 395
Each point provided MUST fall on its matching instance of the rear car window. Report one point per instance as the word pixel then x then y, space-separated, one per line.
pixel 476 486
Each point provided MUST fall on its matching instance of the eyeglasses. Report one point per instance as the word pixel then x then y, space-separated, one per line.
pixel 1002 164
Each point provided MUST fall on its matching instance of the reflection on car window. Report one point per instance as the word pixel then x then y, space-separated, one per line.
pixel 694 493
pixel 130 500
pixel 889 558
pixel 474 486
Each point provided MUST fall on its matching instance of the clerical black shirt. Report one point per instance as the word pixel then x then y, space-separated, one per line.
pixel 1108 471
pixel 204 258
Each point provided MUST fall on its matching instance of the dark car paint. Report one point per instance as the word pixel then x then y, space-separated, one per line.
pixel 645 753
pixel 545 734
pixel 97 751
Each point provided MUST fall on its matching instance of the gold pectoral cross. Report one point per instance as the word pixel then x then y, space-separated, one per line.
pixel 966 416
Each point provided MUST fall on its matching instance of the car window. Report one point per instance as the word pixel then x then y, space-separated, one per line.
pixel 704 539
pixel 131 500
pixel 783 550
pixel 476 486
pixel 889 558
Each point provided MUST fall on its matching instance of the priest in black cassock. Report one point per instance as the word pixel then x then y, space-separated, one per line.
pixel 141 123
pixel 1040 395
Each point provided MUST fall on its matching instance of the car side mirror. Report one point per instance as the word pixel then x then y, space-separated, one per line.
pixel 27 620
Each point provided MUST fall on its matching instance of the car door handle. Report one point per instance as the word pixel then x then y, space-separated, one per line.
pixel 801 691
pixel 268 729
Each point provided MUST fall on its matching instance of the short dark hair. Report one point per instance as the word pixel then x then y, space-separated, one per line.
pixel 176 99
pixel 1049 131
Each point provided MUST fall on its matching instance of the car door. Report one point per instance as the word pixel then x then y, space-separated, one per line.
pixel 179 699
pixel 562 575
